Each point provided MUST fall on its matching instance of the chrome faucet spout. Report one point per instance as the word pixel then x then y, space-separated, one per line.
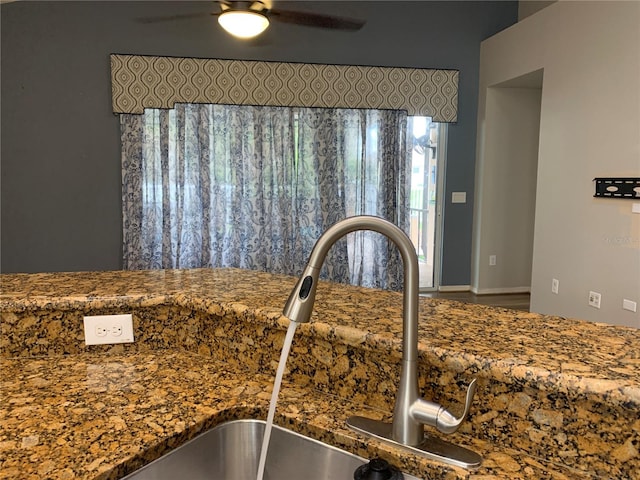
pixel 410 411
pixel 299 306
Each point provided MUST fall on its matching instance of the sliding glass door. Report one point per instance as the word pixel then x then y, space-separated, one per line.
pixel 428 156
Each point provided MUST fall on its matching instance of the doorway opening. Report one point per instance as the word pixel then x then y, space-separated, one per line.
pixel 505 196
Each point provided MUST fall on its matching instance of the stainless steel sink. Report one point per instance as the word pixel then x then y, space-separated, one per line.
pixel 231 451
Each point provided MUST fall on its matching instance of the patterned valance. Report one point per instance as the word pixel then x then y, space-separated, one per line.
pixel 140 82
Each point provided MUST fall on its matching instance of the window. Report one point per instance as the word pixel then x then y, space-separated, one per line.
pixel 254 187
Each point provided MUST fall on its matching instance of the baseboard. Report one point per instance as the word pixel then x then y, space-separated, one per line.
pixel 498 291
pixel 454 288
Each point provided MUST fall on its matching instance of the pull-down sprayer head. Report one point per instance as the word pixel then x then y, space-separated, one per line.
pixel 300 303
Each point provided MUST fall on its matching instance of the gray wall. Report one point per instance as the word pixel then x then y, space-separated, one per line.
pixel 60 156
pixel 589 127
pixel 505 190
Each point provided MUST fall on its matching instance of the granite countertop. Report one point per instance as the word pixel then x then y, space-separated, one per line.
pixel 100 417
pixel 71 411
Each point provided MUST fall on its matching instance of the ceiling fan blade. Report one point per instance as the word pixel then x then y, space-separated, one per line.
pixel 316 20
pixel 171 18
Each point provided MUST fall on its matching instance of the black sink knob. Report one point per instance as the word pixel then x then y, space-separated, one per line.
pixel 377 469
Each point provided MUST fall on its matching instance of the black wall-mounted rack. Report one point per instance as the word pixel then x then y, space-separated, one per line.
pixel 617 187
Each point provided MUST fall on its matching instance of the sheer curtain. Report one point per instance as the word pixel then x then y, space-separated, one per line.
pixel 254 187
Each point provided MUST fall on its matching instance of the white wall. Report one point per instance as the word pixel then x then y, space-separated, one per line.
pixel 589 127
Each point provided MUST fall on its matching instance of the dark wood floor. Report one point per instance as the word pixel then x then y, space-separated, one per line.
pixel 517 301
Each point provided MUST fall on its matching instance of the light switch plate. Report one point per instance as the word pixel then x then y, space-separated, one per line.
pixel 459 197
pixel 629 305
pixel 107 329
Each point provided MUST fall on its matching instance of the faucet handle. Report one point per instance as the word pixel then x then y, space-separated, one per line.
pixel 446 422
pixel 430 413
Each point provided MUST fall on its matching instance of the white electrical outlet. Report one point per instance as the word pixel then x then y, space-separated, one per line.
pixel 492 260
pixel 102 329
pixel 594 299
pixel 555 285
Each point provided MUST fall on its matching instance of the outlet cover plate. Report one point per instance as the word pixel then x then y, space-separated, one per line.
pixel 108 329
pixel 594 299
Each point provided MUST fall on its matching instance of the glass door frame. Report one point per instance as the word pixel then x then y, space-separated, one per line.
pixel 441 158
pixel 438 217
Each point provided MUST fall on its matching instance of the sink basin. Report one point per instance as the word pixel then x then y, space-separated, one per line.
pixel 231 451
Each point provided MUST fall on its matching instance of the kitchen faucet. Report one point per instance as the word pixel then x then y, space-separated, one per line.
pixel 411 412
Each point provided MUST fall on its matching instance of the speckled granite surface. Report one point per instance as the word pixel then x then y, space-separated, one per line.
pixel 558 398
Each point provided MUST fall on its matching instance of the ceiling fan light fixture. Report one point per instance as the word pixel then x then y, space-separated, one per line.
pixel 243 24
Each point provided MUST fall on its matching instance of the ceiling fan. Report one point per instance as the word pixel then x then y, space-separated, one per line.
pixel 247 19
